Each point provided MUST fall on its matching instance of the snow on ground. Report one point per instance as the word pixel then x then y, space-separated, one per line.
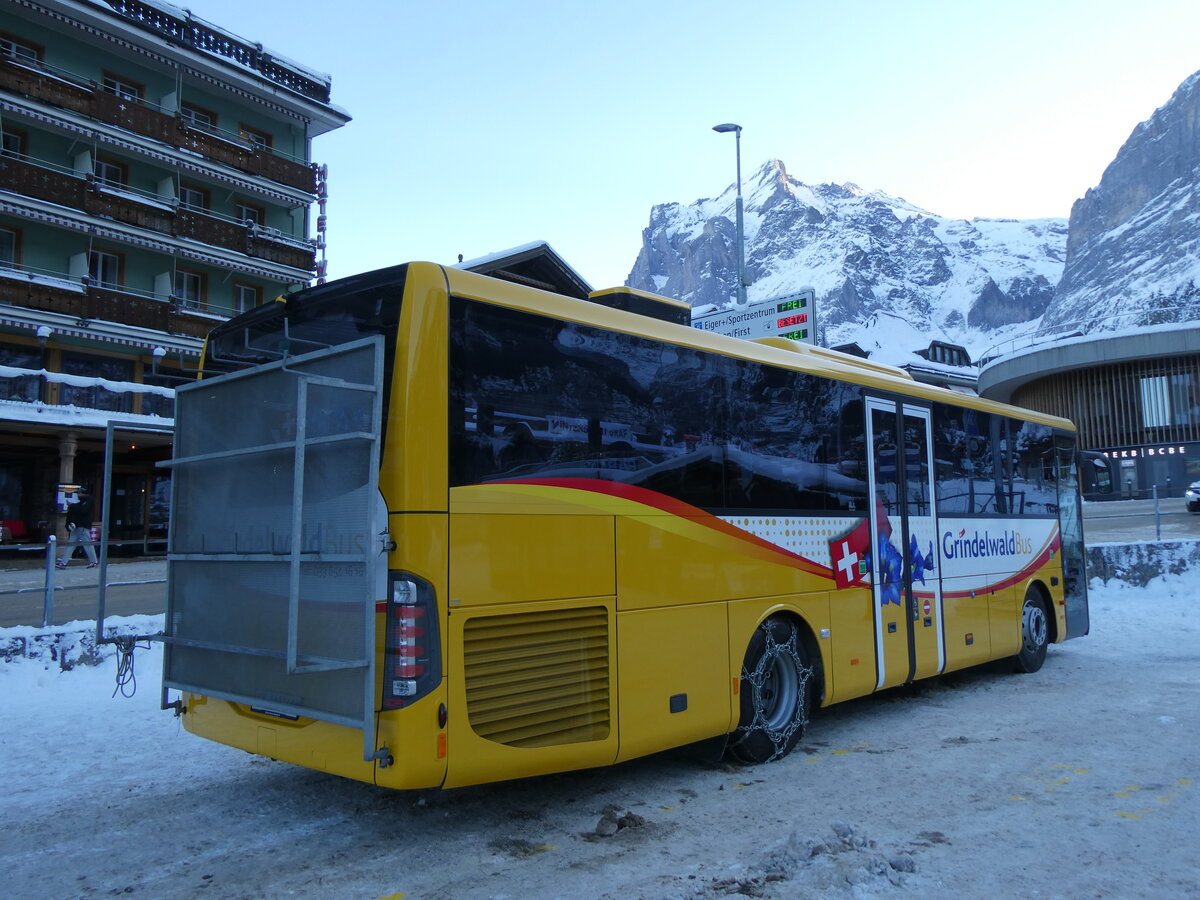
pixel 1082 780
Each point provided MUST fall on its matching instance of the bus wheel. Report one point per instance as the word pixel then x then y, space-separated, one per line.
pixel 776 693
pixel 1035 631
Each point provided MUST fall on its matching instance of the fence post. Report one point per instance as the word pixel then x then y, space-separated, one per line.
pixel 48 599
pixel 1157 518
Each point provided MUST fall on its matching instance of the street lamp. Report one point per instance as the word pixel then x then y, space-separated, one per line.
pixel 741 245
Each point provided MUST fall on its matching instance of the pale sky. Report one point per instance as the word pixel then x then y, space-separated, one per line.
pixel 482 124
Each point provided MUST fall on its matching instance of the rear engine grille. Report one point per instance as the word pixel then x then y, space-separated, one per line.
pixel 538 679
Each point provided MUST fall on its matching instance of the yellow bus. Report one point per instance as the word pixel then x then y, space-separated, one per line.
pixel 432 528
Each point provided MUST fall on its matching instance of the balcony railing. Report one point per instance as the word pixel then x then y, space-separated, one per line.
pixel 44 181
pixel 61 88
pixel 1124 321
pixel 78 298
pixel 201 35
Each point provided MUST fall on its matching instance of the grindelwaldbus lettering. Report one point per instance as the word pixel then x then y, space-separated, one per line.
pixel 985 543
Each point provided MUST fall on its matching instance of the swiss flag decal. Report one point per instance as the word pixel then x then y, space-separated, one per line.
pixel 848 556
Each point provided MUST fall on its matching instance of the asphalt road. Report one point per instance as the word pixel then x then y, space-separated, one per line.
pixel 1125 521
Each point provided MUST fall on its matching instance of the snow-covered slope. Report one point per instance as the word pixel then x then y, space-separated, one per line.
pixel 873 258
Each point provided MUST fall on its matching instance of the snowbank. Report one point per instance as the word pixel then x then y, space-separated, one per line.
pixel 73 644
pixel 1139 563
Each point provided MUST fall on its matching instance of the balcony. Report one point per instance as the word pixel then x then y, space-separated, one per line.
pixel 59 293
pixel 62 89
pixel 42 181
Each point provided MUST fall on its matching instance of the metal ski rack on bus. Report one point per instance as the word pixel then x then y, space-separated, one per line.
pixel 282 578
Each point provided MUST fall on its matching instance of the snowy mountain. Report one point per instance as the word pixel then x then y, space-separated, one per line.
pixel 888 274
pixel 1133 249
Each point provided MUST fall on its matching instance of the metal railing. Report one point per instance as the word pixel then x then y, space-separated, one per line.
pixel 1140 515
pixel 50 587
pixel 1166 315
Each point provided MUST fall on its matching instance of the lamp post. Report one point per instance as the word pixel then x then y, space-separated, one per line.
pixel 741 241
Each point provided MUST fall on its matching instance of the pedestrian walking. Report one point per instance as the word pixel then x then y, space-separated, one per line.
pixel 79 530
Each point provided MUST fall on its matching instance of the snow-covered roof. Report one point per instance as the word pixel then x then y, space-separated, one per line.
pixel 536 264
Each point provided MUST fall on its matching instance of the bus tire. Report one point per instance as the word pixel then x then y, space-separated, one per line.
pixel 1035 633
pixel 776 693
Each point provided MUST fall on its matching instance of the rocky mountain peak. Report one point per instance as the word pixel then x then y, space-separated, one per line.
pixel 874 259
pixel 1134 240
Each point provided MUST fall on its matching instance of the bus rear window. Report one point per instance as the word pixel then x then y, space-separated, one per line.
pixel 324 316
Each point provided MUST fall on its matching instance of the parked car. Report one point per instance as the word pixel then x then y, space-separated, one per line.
pixel 1192 497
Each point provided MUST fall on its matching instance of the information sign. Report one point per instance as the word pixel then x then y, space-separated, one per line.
pixel 791 316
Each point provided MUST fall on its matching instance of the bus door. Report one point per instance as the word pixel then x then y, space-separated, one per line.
pixel 905 582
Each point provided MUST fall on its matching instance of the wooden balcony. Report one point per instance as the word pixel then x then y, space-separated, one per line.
pixel 79 192
pixel 21 78
pixel 85 98
pixel 92 302
pixel 285 254
pixel 105 303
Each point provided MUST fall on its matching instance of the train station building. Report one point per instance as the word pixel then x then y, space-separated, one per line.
pixel 1134 396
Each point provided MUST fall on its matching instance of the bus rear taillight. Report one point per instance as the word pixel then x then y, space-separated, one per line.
pixel 411 661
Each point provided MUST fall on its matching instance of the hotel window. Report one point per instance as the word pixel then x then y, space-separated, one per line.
pixel 110 173
pixel 104 269
pixel 198 117
pixel 12 143
pixel 118 86
pixel 8 248
pixel 192 198
pixel 189 288
pixel 244 212
pixel 246 297
pixel 254 137
pixel 15 47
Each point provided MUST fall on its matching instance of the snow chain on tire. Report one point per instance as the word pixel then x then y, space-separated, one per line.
pixel 753 681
